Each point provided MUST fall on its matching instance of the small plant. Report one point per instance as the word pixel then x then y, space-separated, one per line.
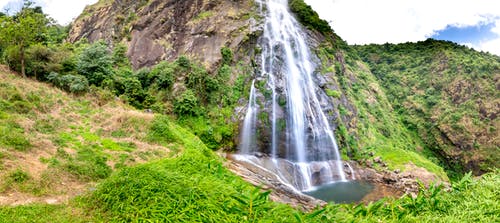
pixel 186 104
pixel 227 55
pixel 19 176
pixel 252 204
pixel 333 93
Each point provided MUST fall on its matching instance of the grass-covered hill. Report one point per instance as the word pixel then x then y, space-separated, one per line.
pixel 90 158
pixel 447 93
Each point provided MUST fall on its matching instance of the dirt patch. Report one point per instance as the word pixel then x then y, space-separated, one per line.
pixel 69 190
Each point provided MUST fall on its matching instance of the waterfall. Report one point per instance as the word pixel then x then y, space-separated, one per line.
pixel 298 140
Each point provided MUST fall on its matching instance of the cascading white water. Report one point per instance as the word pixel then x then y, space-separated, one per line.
pixel 302 148
pixel 247 142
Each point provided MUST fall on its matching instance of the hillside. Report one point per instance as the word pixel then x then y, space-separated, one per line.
pixel 448 94
pixel 55 146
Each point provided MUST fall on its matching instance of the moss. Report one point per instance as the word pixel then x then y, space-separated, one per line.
pixel 333 93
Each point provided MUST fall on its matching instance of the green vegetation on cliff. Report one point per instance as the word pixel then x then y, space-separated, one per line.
pixel 446 93
pixel 367 122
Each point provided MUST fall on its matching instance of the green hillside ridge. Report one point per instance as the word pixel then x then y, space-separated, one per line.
pixel 446 93
pixel 370 124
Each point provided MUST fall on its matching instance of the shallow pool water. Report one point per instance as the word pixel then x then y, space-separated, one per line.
pixel 342 192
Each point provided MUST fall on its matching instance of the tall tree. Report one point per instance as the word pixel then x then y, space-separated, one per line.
pixel 22 30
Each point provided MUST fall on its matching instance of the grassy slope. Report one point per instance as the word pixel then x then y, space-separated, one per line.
pixel 445 92
pixel 54 145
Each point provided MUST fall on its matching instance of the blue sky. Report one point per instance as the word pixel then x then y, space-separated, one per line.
pixel 475 23
pixel 468 35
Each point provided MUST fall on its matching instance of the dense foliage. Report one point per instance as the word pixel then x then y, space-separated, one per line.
pixel 308 17
pixel 446 93
pixel 19 32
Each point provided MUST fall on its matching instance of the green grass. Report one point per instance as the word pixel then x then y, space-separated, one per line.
pixel 333 93
pixel 42 213
pixel 13 136
pixel 190 188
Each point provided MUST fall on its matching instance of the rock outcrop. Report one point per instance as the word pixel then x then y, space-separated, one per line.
pixel 164 29
pixel 386 183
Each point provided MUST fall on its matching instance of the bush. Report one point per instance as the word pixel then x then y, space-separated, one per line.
pixel 186 104
pixel 119 56
pixel 95 63
pixel 134 92
pixel 162 75
pixel 227 55
pixel 71 83
pixel 183 62
pixel 333 93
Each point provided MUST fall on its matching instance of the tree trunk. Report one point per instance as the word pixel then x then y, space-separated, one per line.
pixel 23 66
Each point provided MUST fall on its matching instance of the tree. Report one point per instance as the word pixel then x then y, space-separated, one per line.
pixel 23 30
pixel 95 63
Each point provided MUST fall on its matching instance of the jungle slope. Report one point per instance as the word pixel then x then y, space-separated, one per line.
pixel 448 94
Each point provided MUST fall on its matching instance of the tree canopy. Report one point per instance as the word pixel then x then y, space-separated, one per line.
pixel 25 28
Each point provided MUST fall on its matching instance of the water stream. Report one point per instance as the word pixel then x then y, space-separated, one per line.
pixel 285 129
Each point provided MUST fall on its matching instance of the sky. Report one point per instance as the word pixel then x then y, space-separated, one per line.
pixel 475 23
pixel 63 11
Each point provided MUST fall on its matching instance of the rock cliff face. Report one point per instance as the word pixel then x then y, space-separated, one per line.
pixel 158 30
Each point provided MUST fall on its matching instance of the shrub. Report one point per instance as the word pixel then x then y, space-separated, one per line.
pixel 162 75
pixel 119 55
pixel 95 63
pixel 134 92
pixel 333 93
pixel 186 104
pixel 71 83
pixel 183 62
pixel 227 55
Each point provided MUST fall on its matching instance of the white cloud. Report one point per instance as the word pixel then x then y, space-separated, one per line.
pixel 63 11
pixel 396 21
